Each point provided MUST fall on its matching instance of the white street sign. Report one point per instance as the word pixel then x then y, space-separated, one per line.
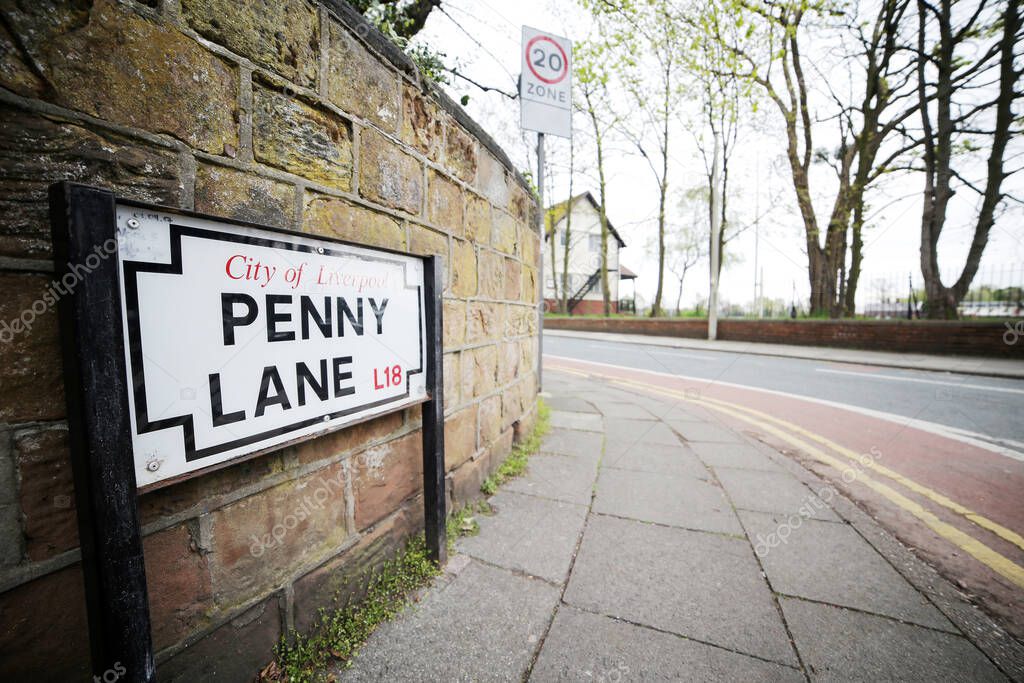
pixel 545 86
pixel 240 339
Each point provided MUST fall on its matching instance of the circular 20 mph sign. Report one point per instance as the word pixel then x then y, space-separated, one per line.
pixel 546 60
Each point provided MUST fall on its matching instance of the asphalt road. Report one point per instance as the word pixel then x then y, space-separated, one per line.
pixel 990 407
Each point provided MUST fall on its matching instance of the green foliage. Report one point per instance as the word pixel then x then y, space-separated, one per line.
pixel 338 633
pixel 515 464
pixel 400 21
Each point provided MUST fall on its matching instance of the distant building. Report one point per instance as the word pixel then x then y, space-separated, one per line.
pixel 584 256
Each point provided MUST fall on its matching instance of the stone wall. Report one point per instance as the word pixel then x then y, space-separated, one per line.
pixel 290 113
pixel 963 338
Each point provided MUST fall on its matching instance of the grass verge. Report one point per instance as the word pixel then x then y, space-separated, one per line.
pixel 515 463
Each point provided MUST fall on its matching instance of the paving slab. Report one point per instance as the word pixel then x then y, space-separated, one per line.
pixel 708 432
pixel 772 492
pixel 561 401
pixel 572 442
pixel 482 626
pixel 661 498
pixel 588 647
pixel 699 585
pixel 558 477
pixel 528 534
pixel 734 455
pixel 832 563
pixel 619 408
pixel 623 430
pixel 837 644
pixel 589 422
pixel 656 457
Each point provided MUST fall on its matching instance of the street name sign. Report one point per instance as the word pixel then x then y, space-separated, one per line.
pixel 545 86
pixel 239 339
pixel 207 340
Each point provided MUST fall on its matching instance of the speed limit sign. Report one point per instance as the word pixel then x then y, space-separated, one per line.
pixel 545 87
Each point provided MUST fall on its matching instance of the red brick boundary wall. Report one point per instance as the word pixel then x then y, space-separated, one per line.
pixel 584 307
pixel 291 113
pixel 920 336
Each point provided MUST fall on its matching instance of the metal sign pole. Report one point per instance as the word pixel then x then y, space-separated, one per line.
pixel 433 414
pixel 83 220
pixel 540 270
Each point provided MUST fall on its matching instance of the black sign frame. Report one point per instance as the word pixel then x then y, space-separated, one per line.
pixel 99 424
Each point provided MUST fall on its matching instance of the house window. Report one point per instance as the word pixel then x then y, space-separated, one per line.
pixel 595 243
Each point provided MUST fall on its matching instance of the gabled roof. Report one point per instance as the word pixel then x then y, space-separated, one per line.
pixel 557 212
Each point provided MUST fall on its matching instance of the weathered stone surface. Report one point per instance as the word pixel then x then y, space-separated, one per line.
pixel 425 241
pixel 492 274
pixel 521 320
pixel 283 35
pixel 422 124
pixel 492 180
pixel 513 280
pixel 460 437
pixel 30 360
pixel 467 479
pixel 519 202
pixel 454 323
pixel 490 420
pixel 343 579
pixel 157 61
pixel 478 219
pixel 505 236
pixel 479 371
pixel 226 191
pixel 444 204
pixel 485 321
pixel 460 152
pixel 386 475
pixel 47 492
pixel 359 83
pixel 388 175
pixel 452 380
pixel 341 218
pixel 508 362
pixel 38 151
pixel 15 73
pixel 203 492
pixel 336 444
pixel 464 269
pixel 260 539
pixel 529 242
pixel 45 649
pixel 530 292
pixel 295 137
pixel 178 582
pixel 236 651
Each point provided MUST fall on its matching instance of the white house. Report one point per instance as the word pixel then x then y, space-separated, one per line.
pixel 584 256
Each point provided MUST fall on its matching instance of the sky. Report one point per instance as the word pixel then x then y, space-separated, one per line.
pixel 481 38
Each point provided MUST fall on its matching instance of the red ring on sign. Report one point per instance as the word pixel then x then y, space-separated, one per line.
pixel 529 64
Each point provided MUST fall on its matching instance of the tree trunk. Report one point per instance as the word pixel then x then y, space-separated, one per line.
pixel 564 305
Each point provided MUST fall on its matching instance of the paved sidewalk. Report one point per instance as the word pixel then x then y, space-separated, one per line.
pixel 966 365
pixel 627 553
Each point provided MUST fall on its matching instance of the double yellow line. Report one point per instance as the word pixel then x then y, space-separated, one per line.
pixel 769 424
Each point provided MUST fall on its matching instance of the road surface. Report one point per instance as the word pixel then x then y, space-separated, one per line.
pixel 937 458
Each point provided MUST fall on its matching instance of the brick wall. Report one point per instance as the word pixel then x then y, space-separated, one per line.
pixel 294 114
pixel 965 338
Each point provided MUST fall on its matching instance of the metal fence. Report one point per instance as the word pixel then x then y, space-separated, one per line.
pixel 995 293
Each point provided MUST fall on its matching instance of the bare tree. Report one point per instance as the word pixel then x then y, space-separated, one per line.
pixel 959 111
